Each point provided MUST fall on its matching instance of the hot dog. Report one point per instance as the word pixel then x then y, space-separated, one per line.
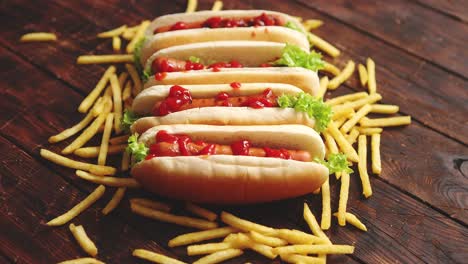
pixel 227 104
pixel 205 26
pixel 229 164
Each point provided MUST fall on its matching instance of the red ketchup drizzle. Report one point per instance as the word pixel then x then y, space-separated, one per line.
pixel 178 96
pixel 208 150
pixel 240 148
pixel 193 66
pixel 222 96
pixel 231 64
pixel 178 26
pixel 267 99
pixel 160 76
pixel 235 85
pixel 163 136
pixel 277 153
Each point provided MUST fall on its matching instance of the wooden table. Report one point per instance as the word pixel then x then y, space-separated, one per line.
pixel 418 213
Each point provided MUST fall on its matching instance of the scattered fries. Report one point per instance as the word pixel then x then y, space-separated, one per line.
pixel 155 257
pixel 116 43
pixel 385 109
pixel 117 96
pixel 219 256
pixel 160 206
pixel 362 166
pixel 114 202
pixel 362 74
pixel 343 143
pixel 83 240
pixel 202 212
pixel 138 35
pixel 314 249
pixel 89 100
pixel 101 59
pixel 362 112
pixel 342 204
pixel 343 76
pixel 296 258
pixel 119 140
pixel 217 5
pixel 38 37
pixel 371 83
pixel 72 130
pixel 328 67
pixel 108 180
pixel 299 237
pixel 310 24
pixel 113 32
pixel 323 45
pixel 267 240
pixel 369 130
pixel 105 139
pixel 375 153
pixel 386 122
pixel 366 100
pixel 195 237
pixel 208 248
pixel 191 6
pixel 346 98
pixel 326 206
pixel 93 152
pixel 61 160
pixel 246 225
pixel 82 261
pixel 135 78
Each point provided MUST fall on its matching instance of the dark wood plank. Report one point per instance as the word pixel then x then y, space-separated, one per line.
pixel 457 9
pixel 427 34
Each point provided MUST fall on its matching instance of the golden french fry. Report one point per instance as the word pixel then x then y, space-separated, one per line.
pixel 116 43
pixel 315 249
pixel 342 111
pixel 267 240
pixel 343 143
pixel 384 109
pixel 371 83
pixel 160 206
pixel 82 261
pixel 298 237
pixel 344 192
pixel 108 180
pixel 63 161
pixel 343 76
pixel 314 225
pixel 219 256
pixel 362 166
pixel 127 91
pixel 326 206
pixel 328 67
pixel 199 211
pixel 93 95
pixel 191 6
pixel 125 161
pixel 310 24
pixel 105 140
pixel 93 152
pixel 217 5
pixel 346 98
pixel 366 100
pixel 296 258
pixel 353 135
pixel 116 94
pixel 369 130
pixel 340 121
pixel 242 241
pixel 38 36
pixel 323 45
pixel 353 220
pixel 129 33
pixel 323 87
pixel 375 149
pixel 245 225
pixel 208 248
pixel 80 207
pixel 135 78
pixel 190 238
pixel 114 202
pixel 107 58
pixel 72 130
pixel 170 218
pixel 113 32
pixel 362 74
pixel 138 35
pixel 155 257
pixel 119 140
pixel 83 240
pixel 386 121
pixel 362 112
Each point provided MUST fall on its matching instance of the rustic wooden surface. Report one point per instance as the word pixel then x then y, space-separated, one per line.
pixel 418 213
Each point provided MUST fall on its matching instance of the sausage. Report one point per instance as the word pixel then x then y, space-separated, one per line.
pixel 172 150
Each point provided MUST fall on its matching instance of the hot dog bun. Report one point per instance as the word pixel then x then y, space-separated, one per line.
pixel 304 79
pixel 224 179
pixel 145 101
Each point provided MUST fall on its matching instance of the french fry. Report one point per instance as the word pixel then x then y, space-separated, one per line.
pixel 125 161
pixel 326 206
pixel 116 43
pixel 296 258
pixel 343 76
pixel 366 100
pixel 190 238
pixel 343 143
pixel 170 218
pixel 217 5
pixel 346 98
pixel 93 95
pixel 353 220
pixel 219 256
pixel 38 36
pixel 129 33
pixel 362 166
pixel 113 32
pixel 105 139
pixel 342 204
pixel 323 87
pixel 323 45
pixel 267 240
pixel 72 130
pixel 83 240
pixel 362 74
pixel 135 78
pixel 107 58
pixel 385 109
pixel 314 249
pixel 119 140
pixel 369 130
pixel 208 248
pixel 98 106
pixel 342 111
pixel 160 206
pixel 245 225
pixel 191 6
pixel 340 121
pixel 363 111
pixel 138 35
pixel 123 76
pixel 314 225
pixel 299 237
pixel 199 211
pixel 332 148
pixel 114 202
pixel 328 67
pixel 352 136
pixel 108 180
pixel 242 241
pixel 375 150
pixel 127 91
pixel 63 161
pixel 310 24
pixel 155 257
pixel 117 96
pixel 371 83
pixel 80 207
pixel 386 121
pixel 93 152
pixel 82 261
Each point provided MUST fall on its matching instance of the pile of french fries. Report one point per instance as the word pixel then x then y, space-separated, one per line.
pixel 114 93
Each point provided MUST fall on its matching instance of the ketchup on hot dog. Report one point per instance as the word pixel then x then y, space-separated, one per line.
pixel 163 64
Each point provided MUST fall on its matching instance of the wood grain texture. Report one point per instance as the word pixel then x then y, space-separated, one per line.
pixel 458 9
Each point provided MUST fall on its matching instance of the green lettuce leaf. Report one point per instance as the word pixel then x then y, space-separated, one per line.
pixel 194 59
pixel 137 55
pixel 314 107
pixel 294 26
pixel 293 56
pixel 127 120
pixel 336 163
pixel 138 150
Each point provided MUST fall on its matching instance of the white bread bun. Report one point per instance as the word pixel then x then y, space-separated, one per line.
pixel 248 53
pixel 304 79
pixel 224 179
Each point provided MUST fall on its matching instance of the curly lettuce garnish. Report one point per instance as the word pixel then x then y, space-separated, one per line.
pixel 293 56
pixel 137 55
pixel 314 107
pixel 127 120
pixel 194 59
pixel 294 26
pixel 138 150
pixel 336 163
